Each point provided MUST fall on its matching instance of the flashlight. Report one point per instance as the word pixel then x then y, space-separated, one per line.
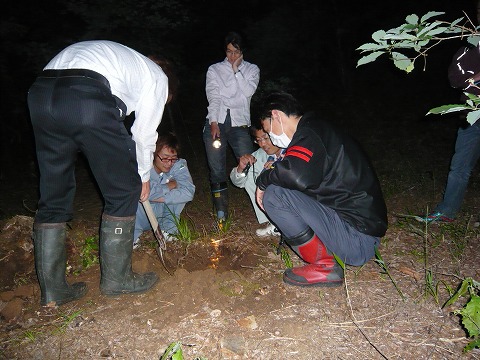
pixel 217 143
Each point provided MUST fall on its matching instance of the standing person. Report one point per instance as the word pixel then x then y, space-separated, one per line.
pixel 324 195
pixel 79 103
pixel 230 85
pixel 263 158
pixel 463 73
pixel 171 187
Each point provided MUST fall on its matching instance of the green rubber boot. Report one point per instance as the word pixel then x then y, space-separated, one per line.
pixel 51 263
pixel 116 246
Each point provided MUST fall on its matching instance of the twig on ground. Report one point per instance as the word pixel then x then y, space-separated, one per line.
pixel 354 320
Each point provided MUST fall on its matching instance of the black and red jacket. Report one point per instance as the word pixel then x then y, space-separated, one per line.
pixel 330 166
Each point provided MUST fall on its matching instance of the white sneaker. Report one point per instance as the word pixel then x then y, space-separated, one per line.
pixel 168 237
pixel 269 230
pixel 136 243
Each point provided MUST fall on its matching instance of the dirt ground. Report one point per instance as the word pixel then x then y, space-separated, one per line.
pixel 223 296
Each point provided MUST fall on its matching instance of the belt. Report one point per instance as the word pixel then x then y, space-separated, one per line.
pixel 50 73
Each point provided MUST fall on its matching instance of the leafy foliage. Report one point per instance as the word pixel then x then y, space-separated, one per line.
pixel 417 35
pixel 470 313
pixel 413 40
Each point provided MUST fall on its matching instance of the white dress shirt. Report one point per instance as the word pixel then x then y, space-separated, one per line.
pixel 135 79
pixel 226 90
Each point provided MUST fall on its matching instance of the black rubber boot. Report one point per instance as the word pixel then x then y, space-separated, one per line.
pixel 220 200
pixel 116 246
pixel 322 268
pixel 51 263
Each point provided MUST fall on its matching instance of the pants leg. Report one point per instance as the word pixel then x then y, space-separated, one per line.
pixel 216 158
pixel 166 214
pixel 75 113
pixel 293 212
pixel 141 222
pixel 467 152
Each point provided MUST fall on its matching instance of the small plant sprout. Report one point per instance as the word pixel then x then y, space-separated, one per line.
pixel 89 253
pixel 379 260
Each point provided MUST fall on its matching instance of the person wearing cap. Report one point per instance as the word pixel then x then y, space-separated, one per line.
pixel 249 167
pixel 324 196
pixel 230 85
pixel 78 104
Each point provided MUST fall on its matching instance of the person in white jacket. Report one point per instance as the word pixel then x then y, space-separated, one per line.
pixel 230 85
pixel 171 187
pixel 263 158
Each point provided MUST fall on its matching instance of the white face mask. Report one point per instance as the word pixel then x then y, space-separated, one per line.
pixel 281 140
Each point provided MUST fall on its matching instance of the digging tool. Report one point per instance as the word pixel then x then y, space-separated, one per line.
pixel 161 244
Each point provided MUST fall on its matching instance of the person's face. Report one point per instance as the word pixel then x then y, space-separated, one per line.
pixel 232 53
pixel 263 140
pixel 165 159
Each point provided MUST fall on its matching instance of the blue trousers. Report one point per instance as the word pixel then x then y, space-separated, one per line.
pixel 72 114
pixel 467 152
pixel 164 216
pixel 238 137
pixel 293 212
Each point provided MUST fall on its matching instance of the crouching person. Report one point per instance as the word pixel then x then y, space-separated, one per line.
pixel 324 195
pixel 171 187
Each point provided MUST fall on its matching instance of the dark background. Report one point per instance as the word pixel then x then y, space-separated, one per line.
pixel 304 46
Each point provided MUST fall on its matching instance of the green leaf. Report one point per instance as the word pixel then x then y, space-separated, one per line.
pixel 460 292
pixel 473 39
pixel 472 345
pixel 473 116
pixel 412 19
pixel 402 62
pixel 437 31
pixel 371 47
pixel 445 109
pixel 369 58
pixel 471 316
pixel 402 36
pixel 339 261
pixel 427 28
pixel 378 35
pixel 455 22
pixel 430 14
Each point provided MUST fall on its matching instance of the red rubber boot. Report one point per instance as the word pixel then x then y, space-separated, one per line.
pixel 322 268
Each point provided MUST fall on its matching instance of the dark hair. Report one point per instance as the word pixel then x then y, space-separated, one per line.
pixel 282 101
pixel 235 39
pixel 169 70
pixel 169 140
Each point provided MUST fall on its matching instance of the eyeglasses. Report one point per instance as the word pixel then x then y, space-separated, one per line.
pixel 236 52
pixel 258 140
pixel 167 160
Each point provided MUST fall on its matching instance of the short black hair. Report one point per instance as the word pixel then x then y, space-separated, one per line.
pixel 235 39
pixel 282 101
pixel 169 140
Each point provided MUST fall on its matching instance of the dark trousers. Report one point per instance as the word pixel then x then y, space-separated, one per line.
pixel 293 212
pixel 72 114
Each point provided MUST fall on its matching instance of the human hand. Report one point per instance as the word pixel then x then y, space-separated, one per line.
pixel 237 63
pixel 172 184
pixel 244 161
pixel 214 130
pixel 259 197
pixel 268 164
pixel 145 191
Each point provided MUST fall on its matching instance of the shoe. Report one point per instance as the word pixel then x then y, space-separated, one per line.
pixel 437 217
pixel 136 243
pixel 269 230
pixel 168 237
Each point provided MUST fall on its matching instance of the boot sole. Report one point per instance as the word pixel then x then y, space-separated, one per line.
pixel 318 284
